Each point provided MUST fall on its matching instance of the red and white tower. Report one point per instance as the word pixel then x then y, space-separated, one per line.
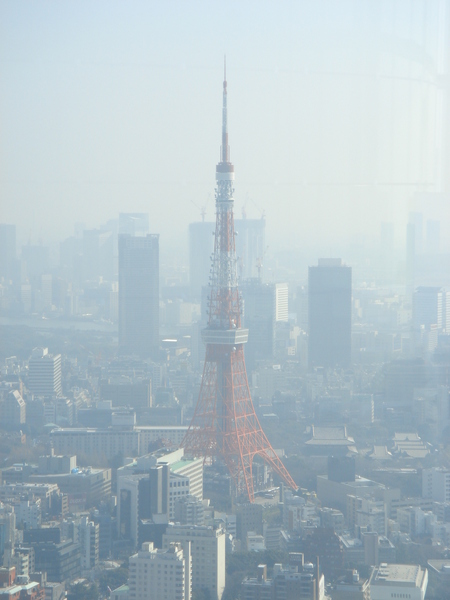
pixel 225 424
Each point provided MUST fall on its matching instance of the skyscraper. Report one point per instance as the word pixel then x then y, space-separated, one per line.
pixel 330 314
pixel 139 295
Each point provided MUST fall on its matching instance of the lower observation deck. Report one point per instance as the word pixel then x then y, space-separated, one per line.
pixel 225 337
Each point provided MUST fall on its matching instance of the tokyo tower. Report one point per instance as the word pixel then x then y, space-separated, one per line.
pixel 225 424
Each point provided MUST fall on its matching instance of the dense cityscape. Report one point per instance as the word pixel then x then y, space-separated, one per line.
pixel 237 423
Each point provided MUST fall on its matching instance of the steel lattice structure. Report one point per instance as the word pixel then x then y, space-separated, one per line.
pixel 225 424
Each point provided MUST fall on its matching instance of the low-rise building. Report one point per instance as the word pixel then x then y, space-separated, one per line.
pixel 398 581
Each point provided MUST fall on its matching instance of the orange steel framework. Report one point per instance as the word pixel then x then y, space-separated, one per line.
pixel 225 424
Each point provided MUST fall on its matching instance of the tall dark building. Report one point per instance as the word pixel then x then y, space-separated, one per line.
pixel 330 314
pixel 139 295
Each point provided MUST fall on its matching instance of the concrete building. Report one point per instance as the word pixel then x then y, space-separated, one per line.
pixel 137 394
pixel 329 314
pixel 150 434
pixel 106 443
pixel 398 581
pixel 28 513
pixel 189 510
pixel 52 464
pixel 60 561
pixel 89 540
pixel 186 474
pixel 142 497
pixel 13 411
pixel 259 316
pixel 48 493
pixel 54 590
pixel 157 574
pixel 351 587
pixel 296 581
pixel 208 555
pixel 436 484
pixel 44 377
pixel 139 295
pixel 333 519
pixel 428 304
pixel 84 487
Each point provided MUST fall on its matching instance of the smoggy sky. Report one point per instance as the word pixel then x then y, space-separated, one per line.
pixel 336 114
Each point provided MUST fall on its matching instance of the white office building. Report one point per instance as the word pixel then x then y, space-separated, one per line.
pixel 44 373
pixel 89 540
pixel 207 546
pixel 390 581
pixel 160 574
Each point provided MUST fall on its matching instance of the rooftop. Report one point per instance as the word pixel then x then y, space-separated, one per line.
pixel 392 574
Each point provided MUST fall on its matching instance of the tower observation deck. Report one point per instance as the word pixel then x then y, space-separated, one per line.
pixel 225 426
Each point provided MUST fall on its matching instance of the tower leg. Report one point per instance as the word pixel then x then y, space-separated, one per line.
pixel 225 423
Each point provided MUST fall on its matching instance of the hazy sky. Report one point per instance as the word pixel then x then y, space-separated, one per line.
pixel 336 113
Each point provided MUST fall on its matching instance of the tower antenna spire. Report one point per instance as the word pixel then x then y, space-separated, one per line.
pixel 225 149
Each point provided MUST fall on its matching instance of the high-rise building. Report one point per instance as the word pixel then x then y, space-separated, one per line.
pixel 7 249
pixel 156 574
pixel 259 302
pixel 139 295
pixel 329 313
pixel 44 373
pixel 142 497
pixel 428 305
pixel 207 547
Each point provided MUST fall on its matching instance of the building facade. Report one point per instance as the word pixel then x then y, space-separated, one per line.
pixel 139 295
pixel 45 373
pixel 329 314
pixel 159 574
pixel 208 555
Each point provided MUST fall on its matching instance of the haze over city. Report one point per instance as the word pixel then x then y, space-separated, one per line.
pixel 337 116
pixel 225 300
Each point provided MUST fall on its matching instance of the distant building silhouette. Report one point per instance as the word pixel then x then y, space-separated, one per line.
pixel 139 295
pixel 330 313
pixel 264 304
pixel 7 249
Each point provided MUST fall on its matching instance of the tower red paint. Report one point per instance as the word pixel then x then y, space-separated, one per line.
pixel 225 424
